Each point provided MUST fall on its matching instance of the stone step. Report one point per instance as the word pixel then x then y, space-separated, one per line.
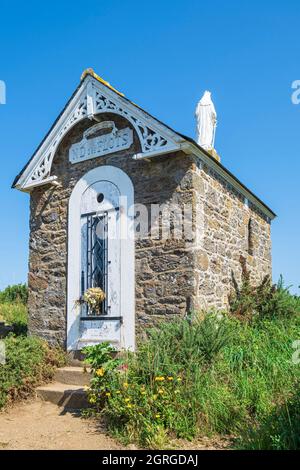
pixel 73 375
pixel 75 362
pixel 65 395
pixel 76 358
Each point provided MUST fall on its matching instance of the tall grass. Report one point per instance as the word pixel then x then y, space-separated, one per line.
pixel 248 301
pixel 15 314
pixel 29 362
pixel 213 373
pixel 280 430
pixel 16 293
pixel 13 309
pixel 193 378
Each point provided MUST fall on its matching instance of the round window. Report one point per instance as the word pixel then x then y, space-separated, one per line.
pixel 100 197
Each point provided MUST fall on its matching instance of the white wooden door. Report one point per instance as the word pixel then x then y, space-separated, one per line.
pixel 100 262
pixel 102 198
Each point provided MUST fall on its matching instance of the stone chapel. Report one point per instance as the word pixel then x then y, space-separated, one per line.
pixel 110 189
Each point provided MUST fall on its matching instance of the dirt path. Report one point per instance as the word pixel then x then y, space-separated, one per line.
pixel 42 425
pixel 36 424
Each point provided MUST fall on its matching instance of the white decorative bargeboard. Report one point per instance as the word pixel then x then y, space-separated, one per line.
pixel 91 99
pixel 100 145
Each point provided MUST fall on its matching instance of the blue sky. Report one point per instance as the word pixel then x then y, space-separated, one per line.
pixel 162 55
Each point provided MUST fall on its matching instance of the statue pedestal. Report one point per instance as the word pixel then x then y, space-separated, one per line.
pixel 214 154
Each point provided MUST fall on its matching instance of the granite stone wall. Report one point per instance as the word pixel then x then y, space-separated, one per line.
pixel 172 275
pixel 164 269
pixel 225 237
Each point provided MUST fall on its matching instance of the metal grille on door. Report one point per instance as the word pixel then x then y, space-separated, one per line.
pixel 95 258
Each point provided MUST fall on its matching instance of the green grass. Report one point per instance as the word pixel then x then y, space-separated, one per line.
pixel 29 363
pixel 15 314
pixel 229 374
pixel 279 430
pixel 16 293
pixel 13 307
pixel 211 376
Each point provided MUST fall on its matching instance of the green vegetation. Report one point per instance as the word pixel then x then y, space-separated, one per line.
pixel 13 309
pixel 278 431
pixel 265 300
pixel 14 314
pixel 17 293
pixel 29 361
pixel 213 374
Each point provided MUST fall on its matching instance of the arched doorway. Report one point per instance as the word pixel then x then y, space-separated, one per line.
pixel 101 254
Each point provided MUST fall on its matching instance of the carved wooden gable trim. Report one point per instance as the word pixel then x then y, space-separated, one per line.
pixel 92 98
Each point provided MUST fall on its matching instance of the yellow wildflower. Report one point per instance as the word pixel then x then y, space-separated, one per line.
pixel 92 399
pixel 127 400
pixel 159 379
pixel 100 372
pixel 129 405
pixel 154 397
pixel 161 391
pixel 108 394
pixel 118 392
pixel 157 416
pixel 125 384
pixel 170 378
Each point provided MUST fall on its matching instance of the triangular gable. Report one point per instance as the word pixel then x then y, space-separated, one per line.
pixel 95 96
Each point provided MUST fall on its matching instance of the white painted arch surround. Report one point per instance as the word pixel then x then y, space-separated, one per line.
pixel 127 261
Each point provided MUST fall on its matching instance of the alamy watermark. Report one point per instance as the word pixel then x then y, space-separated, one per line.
pixel 155 221
pixel 2 353
pixel 295 97
pixel 2 92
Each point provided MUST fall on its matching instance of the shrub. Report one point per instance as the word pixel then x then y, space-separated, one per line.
pixel 103 365
pixel 15 314
pixel 16 293
pixel 184 343
pixel 29 363
pixel 266 299
pixel 100 354
pixel 176 385
pixel 279 431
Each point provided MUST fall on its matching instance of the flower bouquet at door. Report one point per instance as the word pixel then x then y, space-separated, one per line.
pixel 93 298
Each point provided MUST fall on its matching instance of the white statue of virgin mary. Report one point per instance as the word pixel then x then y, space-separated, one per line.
pixel 206 122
